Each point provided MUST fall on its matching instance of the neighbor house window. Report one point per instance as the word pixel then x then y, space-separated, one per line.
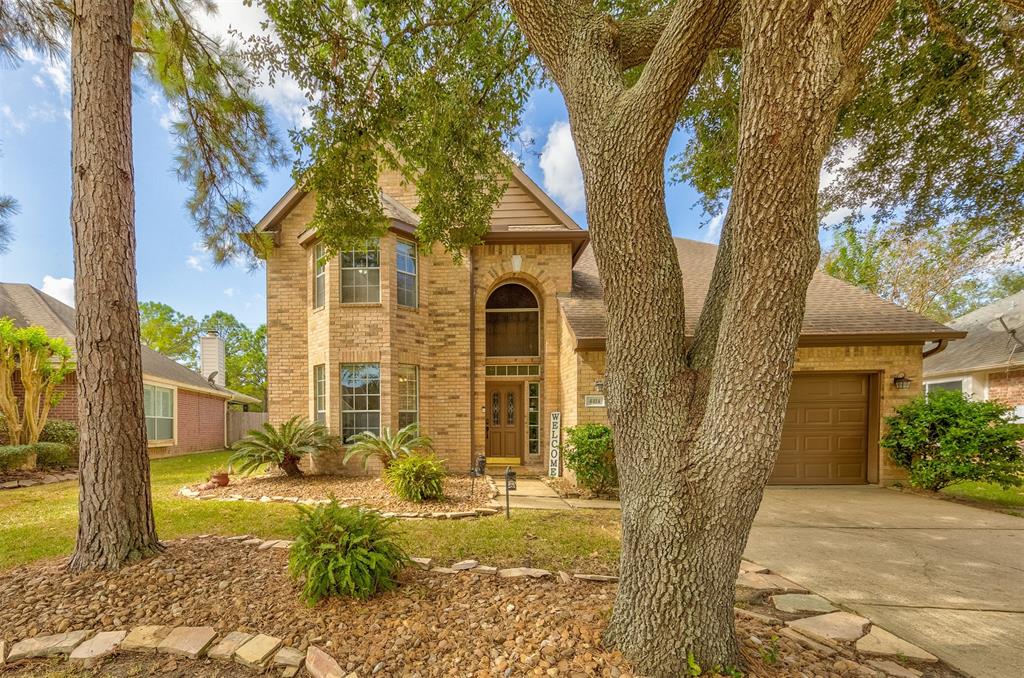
pixel 407 273
pixel 320 394
pixel 158 402
pixel 408 395
pixel 360 399
pixel 319 275
pixel 957 385
pixel 360 275
pixel 513 322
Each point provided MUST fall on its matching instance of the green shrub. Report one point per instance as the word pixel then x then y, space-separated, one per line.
pixel 48 455
pixel 59 431
pixel 416 478
pixel 13 457
pixel 590 454
pixel 387 447
pixel 344 551
pixel 283 446
pixel 945 438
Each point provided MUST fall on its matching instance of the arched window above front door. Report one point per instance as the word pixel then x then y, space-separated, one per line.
pixel 513 322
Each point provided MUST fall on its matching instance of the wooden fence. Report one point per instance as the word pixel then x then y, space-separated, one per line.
pixel 240 423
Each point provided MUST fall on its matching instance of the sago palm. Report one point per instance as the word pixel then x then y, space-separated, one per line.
pixel 388 446
pixel 283 446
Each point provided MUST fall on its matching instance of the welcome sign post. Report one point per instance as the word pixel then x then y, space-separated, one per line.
pixel 554 446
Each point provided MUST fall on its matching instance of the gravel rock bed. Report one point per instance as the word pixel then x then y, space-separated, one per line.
pixel 465 624
pixel 369 492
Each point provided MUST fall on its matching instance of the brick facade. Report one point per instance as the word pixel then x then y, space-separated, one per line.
pixel 445 336
pixel 1007 386
pixel 199 418
pixel 199 424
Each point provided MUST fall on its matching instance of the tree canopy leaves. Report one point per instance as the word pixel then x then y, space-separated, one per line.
pixel 224 137
pixel 942 272
pixel 433 91
pixel 933 134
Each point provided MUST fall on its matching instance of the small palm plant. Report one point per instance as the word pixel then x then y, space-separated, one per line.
pixel 283 446
pixel 388 447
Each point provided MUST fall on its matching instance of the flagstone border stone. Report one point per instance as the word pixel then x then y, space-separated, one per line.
pixel 86 648
pixel 480 512
pixel 811 631
pixel 48 479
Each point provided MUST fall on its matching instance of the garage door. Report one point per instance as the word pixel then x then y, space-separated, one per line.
pixel 825 437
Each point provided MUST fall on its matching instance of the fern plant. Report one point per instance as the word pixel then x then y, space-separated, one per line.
pixel 387 447
pixel 416 478
pixel 282 446
pixel 344 551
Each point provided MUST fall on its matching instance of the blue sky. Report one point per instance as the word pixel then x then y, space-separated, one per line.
pixel 172 268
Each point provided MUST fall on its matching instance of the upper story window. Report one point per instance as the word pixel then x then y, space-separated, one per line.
pixel 360 275
pixel 319 275
pixel 158 403
pixel 513 322
pixel 407 270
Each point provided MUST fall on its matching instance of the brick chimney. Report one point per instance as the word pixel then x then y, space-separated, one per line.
pixel 211 358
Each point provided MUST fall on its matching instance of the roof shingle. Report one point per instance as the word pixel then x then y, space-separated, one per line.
pixel 987 344
pixel 26 305
pixel 835 309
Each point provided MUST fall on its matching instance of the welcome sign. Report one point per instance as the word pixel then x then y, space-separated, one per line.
pixel 554 446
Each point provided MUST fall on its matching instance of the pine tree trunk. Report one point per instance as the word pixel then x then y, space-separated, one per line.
pixel 115 508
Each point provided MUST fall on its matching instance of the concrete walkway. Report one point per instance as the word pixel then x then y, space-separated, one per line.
pixel 533 493
pixel 944 576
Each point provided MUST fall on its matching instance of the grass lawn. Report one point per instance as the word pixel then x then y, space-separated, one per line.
pixel 41 522
pixel 991 494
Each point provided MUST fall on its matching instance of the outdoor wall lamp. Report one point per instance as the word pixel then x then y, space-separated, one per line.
pixel 599 386
pixel 901 381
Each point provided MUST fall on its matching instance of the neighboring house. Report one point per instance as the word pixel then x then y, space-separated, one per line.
pixel 184 412
pixel 989 363
pixel 482 353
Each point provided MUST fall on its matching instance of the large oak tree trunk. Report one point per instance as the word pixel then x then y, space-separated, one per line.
pixel 115 508
pixel 697 427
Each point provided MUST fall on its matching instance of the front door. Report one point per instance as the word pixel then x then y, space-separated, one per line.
pixel 504 422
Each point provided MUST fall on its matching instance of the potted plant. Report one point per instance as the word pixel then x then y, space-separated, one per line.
pixel 220 477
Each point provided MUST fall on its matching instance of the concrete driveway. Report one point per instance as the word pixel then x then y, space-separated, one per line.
pixel 947 577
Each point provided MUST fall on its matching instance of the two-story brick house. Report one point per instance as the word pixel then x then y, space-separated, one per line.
pixel 502 351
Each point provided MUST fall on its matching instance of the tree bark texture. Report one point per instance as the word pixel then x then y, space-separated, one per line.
pixel 697 424
pixel 115 507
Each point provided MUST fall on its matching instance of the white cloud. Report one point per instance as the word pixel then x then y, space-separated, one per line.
pixel 193 263
pixel 562 176
pixel 61 289
pixel 714 228
pixel 10 120
pixel 55 71
pixel 229 292
pixel 234 19
pixel 836 217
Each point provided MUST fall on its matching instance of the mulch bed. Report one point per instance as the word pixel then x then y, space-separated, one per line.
pixel 364 491
pixel 133 665
pixel 467 624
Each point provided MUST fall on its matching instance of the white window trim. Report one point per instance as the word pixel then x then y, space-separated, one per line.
pixel 341 398
pixel 163 442
pixel 341 276
pixel 318 275
pixel 415 275
pixel 316 409
pixel 933 382
pixel 416 369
